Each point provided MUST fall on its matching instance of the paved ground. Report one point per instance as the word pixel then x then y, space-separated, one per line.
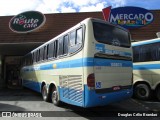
pixel 25 100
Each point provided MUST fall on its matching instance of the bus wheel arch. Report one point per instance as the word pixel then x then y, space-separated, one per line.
pixel 44 91
pixel 142 90
pixel 54 95
pixel 158 91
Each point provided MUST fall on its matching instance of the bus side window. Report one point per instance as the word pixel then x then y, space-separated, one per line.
pixel 76 38
pixel 135 54
pixel 41 54
pixel 55 51
pixel 154 49
pixel 33 57
pixel 60 46
pixel 65 44
pixel 79 36
pixel 157 46
pixel 72 38
pixel 142 54
pixel 50 51
pixel 46 52
pixel 72 42
pixel 37 56
pixel 148 53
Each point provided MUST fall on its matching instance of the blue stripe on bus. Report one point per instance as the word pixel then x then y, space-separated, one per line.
pixel 69 64
pixel 146 66
pixel 146 42
pixel 83 62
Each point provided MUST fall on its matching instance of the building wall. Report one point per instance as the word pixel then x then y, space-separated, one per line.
pixel 57 23
pixel 149 31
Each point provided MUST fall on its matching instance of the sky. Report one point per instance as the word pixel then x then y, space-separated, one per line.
pixel 14 7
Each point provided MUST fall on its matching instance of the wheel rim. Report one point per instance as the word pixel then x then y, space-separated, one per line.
pixel 44 93
pixel 54 96
pixel 142 92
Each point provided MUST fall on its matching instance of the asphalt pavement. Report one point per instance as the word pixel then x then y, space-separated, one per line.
pixel 25 102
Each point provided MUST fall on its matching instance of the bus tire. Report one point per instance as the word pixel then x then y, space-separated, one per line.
pixel 142 91
pixel 158 93
pixel 44 93
pixel 54 97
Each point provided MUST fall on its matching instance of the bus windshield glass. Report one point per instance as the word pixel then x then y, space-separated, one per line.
pixel 111 35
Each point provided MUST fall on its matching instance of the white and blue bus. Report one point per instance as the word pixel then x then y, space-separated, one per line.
pixel 146 68
pixel 88 65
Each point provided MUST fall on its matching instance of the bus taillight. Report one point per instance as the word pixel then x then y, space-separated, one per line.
pixel 91 80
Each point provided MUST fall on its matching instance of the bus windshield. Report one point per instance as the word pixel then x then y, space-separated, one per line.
pixel 111 35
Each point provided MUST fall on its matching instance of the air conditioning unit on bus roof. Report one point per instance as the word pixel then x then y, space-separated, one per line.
pixel 158 34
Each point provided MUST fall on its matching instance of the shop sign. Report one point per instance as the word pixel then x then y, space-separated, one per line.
pixel 128 17
pixel 27 22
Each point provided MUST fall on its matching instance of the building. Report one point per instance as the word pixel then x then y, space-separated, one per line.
pixel 18 44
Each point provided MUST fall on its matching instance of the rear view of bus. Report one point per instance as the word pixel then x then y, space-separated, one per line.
pixel 108 61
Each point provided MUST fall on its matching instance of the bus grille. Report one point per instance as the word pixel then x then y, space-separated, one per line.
pixel 72 87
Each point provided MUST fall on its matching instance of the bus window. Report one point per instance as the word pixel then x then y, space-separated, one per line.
pixel 41 54
pixel 46 52
pixel 55 51
pixel 60 47
pixel 50 51
pixel 79 36
pixel 75 40
pixel 65 44
pixel 136 54
pixel 111 35
pixel 37 55
pixel 72 38
pixel 34 57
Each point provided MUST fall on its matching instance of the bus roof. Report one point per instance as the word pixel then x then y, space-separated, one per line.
pixel 146 42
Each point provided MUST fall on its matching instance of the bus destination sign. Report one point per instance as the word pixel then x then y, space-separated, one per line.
pixel 27 22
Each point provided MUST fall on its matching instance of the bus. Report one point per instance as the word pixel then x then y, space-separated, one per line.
pixel 146 68
pixel 88 65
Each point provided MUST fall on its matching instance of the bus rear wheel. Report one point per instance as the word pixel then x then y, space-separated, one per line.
pixel 44 93
pixel 142 91
pixel 158 93
pixel 55 97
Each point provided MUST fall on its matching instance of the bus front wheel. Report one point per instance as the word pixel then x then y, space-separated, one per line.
pixel 142 91
pixel 55 97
